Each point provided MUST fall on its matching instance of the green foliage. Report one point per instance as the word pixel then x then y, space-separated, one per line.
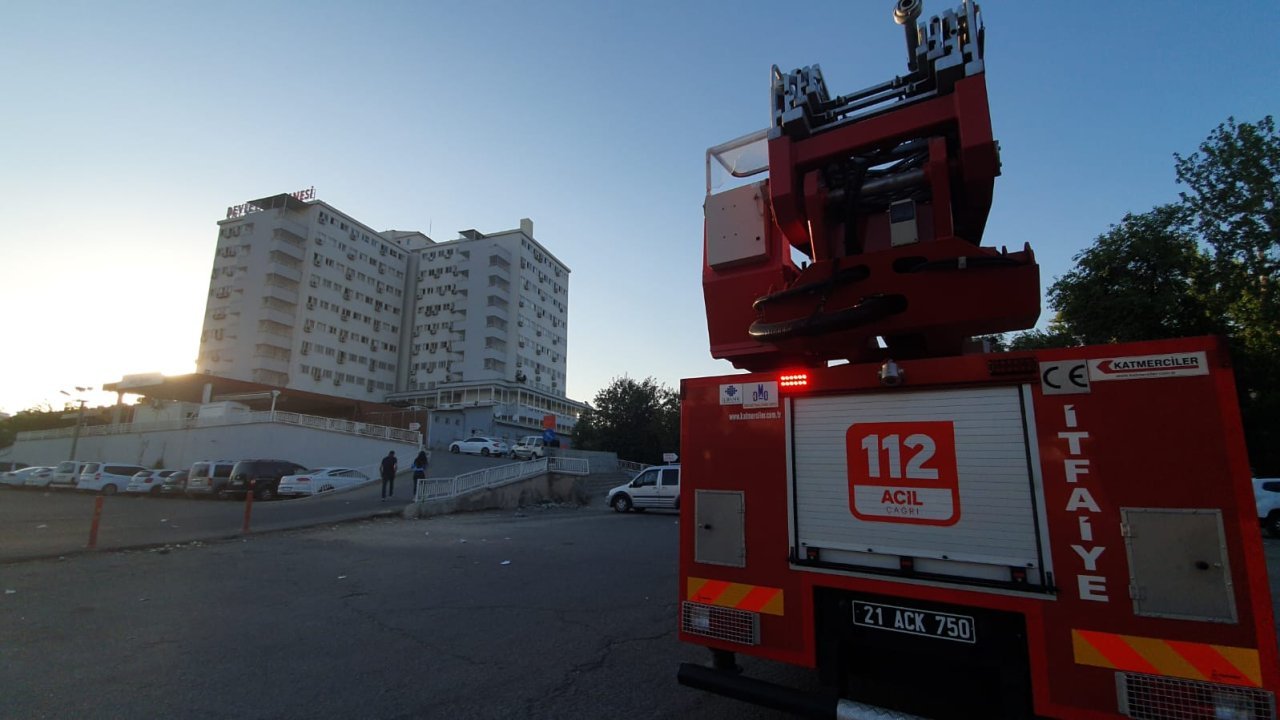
pixel 36 418
pixel 1055 336
pixel 638 420
pixel 1143 279
pixel 1208 264
pixel 1233 186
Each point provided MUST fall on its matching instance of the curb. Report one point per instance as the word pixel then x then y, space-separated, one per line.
pixel 389 513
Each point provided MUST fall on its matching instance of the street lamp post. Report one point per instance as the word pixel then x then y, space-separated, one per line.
pixel 274 394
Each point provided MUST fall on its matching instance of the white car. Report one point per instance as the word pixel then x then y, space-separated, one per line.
pixel 655 487
pixel 530 447
pixel 320 480
pixel 1266 493
pixel 477 445
pixel 106 478
pixel 148 482
pixel 18 478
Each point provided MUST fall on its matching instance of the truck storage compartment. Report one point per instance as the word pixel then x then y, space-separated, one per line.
pixel 931 483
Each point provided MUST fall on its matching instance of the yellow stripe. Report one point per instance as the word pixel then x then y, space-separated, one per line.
pixel 1245 659
pixel 1087 654
pixel 1164 658
pixel 733 595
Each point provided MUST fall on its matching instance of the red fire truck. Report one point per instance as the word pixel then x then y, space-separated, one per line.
pixel 939 531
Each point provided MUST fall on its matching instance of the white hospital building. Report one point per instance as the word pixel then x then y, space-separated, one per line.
pixel 305 297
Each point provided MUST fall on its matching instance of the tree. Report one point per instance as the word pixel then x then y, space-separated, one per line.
pixel 638 420
pixel 34 418
pixel 1233 191
pixel 1208 264
pixel 1142 279
pixel 1057 335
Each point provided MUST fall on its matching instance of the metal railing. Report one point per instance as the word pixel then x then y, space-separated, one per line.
pixel 569 465
pixel 265 416
pixel 631 468
pixel 442 488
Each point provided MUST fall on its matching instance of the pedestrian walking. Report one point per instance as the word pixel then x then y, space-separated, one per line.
pixel 389 475
pixel 420 465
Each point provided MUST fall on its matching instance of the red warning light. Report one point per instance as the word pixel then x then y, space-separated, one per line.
pixel 793 380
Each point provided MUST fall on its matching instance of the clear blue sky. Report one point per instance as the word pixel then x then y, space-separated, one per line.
pixel 130 127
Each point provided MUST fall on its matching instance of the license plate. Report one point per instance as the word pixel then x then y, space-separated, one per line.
pixel 913 621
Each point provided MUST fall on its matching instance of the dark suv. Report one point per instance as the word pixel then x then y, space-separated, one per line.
pixel 264 475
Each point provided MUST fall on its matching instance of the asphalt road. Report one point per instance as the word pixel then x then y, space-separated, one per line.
pixel 48 523
pixel 538 614
pixel 541 614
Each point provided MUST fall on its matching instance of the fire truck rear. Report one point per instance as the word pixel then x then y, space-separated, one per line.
pixel 936 531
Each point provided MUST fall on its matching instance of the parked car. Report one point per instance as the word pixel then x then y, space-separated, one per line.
pixel 106 478
pixel 262 475
pixel 18 478
pixel 477 445
pixel 319 480
pixel 10 466
pixel 148 482
pixel 175 484
pixel 65 475
pixel 530 447
pixel 209 478
pixel 1266 493
pixel 655 487
pixel 40 478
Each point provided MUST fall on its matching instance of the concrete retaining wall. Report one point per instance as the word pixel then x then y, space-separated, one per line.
pixel 552 487
pixel 179 448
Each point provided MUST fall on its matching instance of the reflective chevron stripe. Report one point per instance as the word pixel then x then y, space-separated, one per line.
pixel 740 596
pixel 1173 658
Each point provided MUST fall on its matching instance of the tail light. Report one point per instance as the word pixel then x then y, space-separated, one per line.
pixel 147 481
pixel 794 380
pixel 97 476
pixel 302 479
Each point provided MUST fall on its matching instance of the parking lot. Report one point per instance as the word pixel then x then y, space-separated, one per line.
pixel 560 613
pixel 48 523
pixel 541 613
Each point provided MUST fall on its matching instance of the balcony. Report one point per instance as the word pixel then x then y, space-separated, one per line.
pixel 288 248
pixel 280 281
pixel 285 259
pixel 281 317
pixel 284 295
pixel 290 227
pixel 287 272
pixel 270 364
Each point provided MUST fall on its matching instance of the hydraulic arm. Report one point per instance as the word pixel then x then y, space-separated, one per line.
pixel 884 193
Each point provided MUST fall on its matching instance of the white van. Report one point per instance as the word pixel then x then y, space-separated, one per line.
pixel 530 447
pixel 64 475
pixel 655 487
pixel 106 478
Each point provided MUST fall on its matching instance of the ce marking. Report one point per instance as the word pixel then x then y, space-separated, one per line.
pixel 1065 377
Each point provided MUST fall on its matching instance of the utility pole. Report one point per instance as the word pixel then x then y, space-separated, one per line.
pixel 75 436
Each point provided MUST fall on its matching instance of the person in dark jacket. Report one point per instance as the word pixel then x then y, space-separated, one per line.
pixel 420 465
pixel 389 475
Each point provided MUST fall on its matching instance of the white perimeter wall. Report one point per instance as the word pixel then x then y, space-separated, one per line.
pixel 179 448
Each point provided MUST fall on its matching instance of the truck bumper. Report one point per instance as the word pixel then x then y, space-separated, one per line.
pixel 778 697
